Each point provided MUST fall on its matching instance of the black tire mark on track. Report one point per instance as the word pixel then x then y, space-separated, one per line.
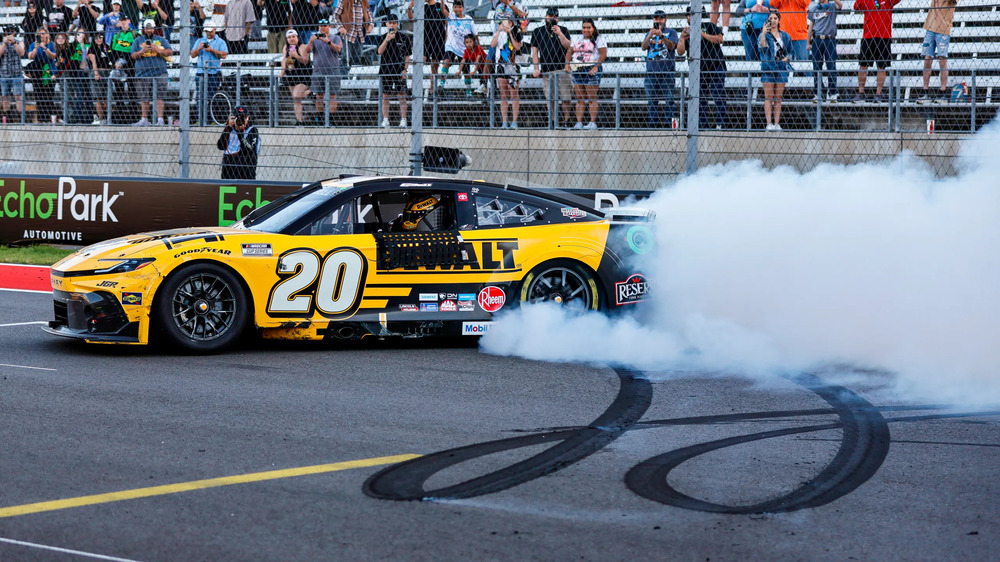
pixel 405 481
pixel 864 446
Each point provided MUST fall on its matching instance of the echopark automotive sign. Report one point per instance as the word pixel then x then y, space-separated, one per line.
pixel 81 210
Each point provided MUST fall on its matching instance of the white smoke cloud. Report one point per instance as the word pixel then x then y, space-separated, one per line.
pixel 759 271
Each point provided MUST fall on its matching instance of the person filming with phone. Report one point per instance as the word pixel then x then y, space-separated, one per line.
pixel 774 64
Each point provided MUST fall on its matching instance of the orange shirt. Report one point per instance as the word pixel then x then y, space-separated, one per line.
pixel 793 17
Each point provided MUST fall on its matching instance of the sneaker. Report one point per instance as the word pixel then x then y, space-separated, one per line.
pixel 769 127
pixel 504 125
pixel 385 123
pixel 925 97
pixel 141 123
pixel 299 124
pixel 858 97
pixel 591 126
pixel 441 83
pixel 513 125
pixel 815 99
pixel 468 93
pixel 718 127
pixel 880 98
pixel 832 98
pixel 159 122
pixel 481 90
pixel 402 122
pixel 96 121
pixel 578 125
pixel 777 127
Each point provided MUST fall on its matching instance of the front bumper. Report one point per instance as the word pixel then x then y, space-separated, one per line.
pixel 93 316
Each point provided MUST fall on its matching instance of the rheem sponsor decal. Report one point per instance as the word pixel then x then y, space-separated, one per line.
pixel 631 290
pixel 491 298
pixel 475 328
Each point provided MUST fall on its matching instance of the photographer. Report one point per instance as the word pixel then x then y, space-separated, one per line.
pixel 713 70
pixel 240 144
pixel 549 43
pixel 660 44
pixel 11 73
pixel 774 64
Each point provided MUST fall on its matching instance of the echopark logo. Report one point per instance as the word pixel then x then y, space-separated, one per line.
pixel 491 298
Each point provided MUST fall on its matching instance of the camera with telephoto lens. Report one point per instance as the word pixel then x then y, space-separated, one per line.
pixel 320 35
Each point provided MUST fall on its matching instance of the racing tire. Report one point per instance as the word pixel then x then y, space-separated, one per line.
pixel 202 308
pixel 563 282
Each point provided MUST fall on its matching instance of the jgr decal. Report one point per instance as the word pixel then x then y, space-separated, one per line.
pixel 631 290
pixel 332 285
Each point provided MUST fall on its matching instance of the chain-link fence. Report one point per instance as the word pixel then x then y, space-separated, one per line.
pixel 860 90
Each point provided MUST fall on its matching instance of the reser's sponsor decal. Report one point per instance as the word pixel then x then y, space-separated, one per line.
pixel 257 249
pixel 449 306
pixel 203 251
pixel 466 306
pixel 475 328
pixel 84 207
pixel 428 307
pixel 132 298
pixel 491 298
pixel 428 297
pixel 631 290
pixel 408 308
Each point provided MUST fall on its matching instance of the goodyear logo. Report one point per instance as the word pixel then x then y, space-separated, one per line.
pixel 132 298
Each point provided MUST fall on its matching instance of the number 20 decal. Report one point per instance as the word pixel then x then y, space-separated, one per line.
pixel 332 285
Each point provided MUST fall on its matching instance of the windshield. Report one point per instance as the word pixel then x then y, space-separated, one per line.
pixel 287 211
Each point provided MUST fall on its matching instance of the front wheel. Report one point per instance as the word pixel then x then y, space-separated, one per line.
pixel 564 283
pixel 202 308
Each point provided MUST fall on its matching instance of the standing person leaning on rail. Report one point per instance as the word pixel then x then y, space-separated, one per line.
pixel 774 63
pixel 549 43
pixel 11 73
pixel 506 43
pixel 240 145
pixel 822 35
pixel 936 41
pixel 713 71
pixel 660 44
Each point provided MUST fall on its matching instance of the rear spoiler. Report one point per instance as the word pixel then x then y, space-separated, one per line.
pixel 630 215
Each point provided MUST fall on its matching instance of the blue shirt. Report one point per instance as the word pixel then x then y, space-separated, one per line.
pixel 41 56
pixel 110 23
pixel 758 18
pixel 658 46
pixel 767 55
pixel 208 61
pixel 149 64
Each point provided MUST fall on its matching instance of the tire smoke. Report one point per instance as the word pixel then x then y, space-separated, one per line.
pixel 874 266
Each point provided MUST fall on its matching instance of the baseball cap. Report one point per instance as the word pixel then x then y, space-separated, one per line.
pixel 123 17
pixel 116 2
pixel 211 27
pixel 240 111
pixel 291 32
pixel 552 11
pixel 659 14
pixel 324 22
pixel 392 17
pixel 148 23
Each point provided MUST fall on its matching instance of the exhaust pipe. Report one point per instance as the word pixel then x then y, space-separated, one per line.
pixel 345 332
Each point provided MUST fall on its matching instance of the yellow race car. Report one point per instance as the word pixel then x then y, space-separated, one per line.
pixel 354 257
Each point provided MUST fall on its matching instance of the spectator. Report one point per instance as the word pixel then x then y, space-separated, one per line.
pixel 504 10
pixel 474 59
pixel 132 9
pixel 660 44
pixel 100 65
pixel 41 70
pixel 325 48
pixel 11 73
pixel 197 21
pixel 394 50
pixel 152 10
pixel 33 19
pixel 794 22
pixel 584 59
pixel 459 25
pixel 121 44
pixel 238 20
pixel 435 23
pixel 209 50
pixel 549 43
pixel 258 15
pixel 87 15
pixel 168 22
pixel 356 17
pixel 240 144
pixel 726 9
pixel 876 43
pixel 295 70
pixel 63 73
pixel 279 20
pixel 110 21
pixel 77 78
pixel 774 63
pixel 150 54
pixel 753 21
pixel 936 40
pixel 713 71
pixel 506 44
pixel 59 17
pixel 822 34
pixel 305 14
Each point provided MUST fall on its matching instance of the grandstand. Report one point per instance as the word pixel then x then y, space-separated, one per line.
pixel 974 61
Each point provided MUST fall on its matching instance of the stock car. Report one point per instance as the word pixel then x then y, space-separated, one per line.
pixel 353 257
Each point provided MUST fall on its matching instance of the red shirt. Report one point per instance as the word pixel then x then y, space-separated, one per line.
pixel 478 54
pixel 878 17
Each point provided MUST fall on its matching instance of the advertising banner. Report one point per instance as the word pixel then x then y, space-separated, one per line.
pixel 82 210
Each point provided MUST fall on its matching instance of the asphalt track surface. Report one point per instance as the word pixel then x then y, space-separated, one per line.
pixel 279 451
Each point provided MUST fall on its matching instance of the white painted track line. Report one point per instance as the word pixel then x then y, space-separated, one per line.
pixel 65 550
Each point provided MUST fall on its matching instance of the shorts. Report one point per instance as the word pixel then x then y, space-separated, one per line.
pixel 319 82
pixel 433 50
pixel 452 57
pixel 508 71
pixel 774 72
pixel 876 50
pixel 99 88
pixel 144 87
pixel 564 86
pixel 13 86
pixel 582 77
pixel 936 45
pixel 393 84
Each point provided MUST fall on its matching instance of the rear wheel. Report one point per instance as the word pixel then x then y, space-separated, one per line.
pixel 563 282
pixel 202 308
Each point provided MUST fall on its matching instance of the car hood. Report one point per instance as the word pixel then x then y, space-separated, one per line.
pixel 145 244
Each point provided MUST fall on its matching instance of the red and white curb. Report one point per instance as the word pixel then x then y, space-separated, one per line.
pixel 24 278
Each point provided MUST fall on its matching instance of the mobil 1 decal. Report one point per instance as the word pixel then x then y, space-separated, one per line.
pixel 631 290
pixel 331 285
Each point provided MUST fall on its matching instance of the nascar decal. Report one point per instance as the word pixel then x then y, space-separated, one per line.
pixel 631 290
pixel 257 249
pixel 491 298
pixel 332 285
pixel 475 328
pixel 132 298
